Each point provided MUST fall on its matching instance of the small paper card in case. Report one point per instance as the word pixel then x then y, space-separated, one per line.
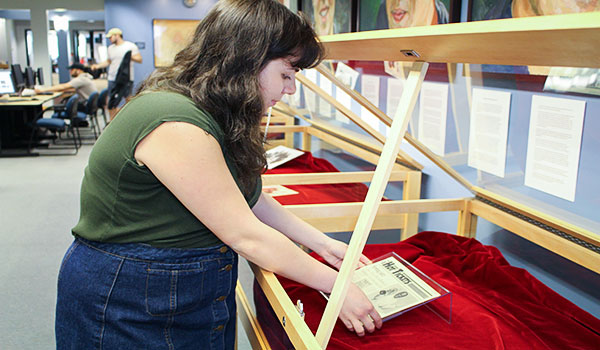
pixel 280 155
pixel 278 190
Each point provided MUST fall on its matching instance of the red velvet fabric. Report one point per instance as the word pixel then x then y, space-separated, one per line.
pixel 495 305
pixel 317 194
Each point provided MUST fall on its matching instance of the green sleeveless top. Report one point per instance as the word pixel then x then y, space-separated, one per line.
pixel 123 202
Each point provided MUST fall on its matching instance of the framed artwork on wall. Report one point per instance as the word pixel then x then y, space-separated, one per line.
pixel 390 14
pixel 491 9
pixel 479 10
pixel 329 16
pixel 385 14
pixel 170 36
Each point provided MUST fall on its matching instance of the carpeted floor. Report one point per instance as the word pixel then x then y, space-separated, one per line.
pixel 39 204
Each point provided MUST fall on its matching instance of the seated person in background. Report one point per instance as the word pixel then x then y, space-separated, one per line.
pixel 82 84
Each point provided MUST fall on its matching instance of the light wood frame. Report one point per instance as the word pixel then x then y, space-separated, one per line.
pixel 279 118
pixel 565 40
pixel 330 217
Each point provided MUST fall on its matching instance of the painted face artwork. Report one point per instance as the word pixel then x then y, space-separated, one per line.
pixel 527 8
pixel 324 11
pixel 276 79
pixel 410 13
pixel 399 13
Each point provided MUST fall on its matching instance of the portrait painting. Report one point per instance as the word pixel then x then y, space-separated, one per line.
pixel 389 14
pixel 170 37
pixel 392 14
pixel 328 16
pixel 492 9
pixel 479 10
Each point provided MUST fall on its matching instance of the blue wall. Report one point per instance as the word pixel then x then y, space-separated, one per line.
pixel 135 17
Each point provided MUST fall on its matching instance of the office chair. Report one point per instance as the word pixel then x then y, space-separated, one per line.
pixel 61 121
pixel 90 115
pixel 102 104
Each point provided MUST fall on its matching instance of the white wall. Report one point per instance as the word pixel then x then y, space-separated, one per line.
pixel 19 52
pixel 39 25
pixel 87 5
pixel 4 49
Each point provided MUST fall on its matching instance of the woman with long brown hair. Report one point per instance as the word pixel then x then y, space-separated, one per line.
pixel 172 194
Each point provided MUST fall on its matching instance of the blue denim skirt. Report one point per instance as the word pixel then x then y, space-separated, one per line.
pixel 134 296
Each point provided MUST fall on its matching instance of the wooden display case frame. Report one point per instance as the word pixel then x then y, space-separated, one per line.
pixel 571 40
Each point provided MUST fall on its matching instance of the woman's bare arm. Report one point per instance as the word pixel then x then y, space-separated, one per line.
pixel 190 163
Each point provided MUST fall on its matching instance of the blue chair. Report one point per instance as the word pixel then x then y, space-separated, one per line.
pixel 102 104
pixel 62 120
pixel 89 114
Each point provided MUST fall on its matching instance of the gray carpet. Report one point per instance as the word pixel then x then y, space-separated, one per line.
pixel 39 204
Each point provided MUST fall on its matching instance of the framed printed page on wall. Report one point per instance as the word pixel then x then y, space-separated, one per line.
pixel 170 36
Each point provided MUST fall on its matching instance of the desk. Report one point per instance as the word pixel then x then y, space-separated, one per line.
pixel 16 115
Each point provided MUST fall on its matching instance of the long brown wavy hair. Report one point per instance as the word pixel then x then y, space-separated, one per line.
pixel 219 71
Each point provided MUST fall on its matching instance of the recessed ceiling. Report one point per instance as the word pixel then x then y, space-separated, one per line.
pixel 72 15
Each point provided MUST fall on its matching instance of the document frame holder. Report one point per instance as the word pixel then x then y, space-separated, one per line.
pixel 440 305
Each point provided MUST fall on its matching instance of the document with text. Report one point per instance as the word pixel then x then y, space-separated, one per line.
pixel 393 286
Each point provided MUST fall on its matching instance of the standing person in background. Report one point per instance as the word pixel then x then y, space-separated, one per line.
pixel 172 194
pixel 116 52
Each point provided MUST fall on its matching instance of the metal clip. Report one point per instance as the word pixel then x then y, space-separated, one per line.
pixel 300 308
pixel 410 53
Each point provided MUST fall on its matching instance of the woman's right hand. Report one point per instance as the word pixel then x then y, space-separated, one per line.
pixel 358 314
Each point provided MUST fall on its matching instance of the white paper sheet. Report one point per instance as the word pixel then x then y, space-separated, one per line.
pixel 346 75
pixel 395 87
pixel 555 129
pixel 324 106
pixel 349 77
pixel 278 190
pixel 395 69
pixel 394 92
pixel 280 155
pixel 346 101
pixel 488 135
pixel 293 100
pixel 310 98
pixel 433 110
pixel 370 90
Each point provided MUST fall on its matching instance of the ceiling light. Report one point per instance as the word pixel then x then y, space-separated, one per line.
pixel 61 23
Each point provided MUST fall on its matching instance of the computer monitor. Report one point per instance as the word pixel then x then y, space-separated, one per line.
pixel 17 75
pixel 29 78
pixel 6 82
pixel 40 76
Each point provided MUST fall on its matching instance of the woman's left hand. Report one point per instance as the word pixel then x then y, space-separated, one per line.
pixel 334 252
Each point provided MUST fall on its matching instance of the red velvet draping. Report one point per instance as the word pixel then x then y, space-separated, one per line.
pixel 313 194
pixel 495 305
